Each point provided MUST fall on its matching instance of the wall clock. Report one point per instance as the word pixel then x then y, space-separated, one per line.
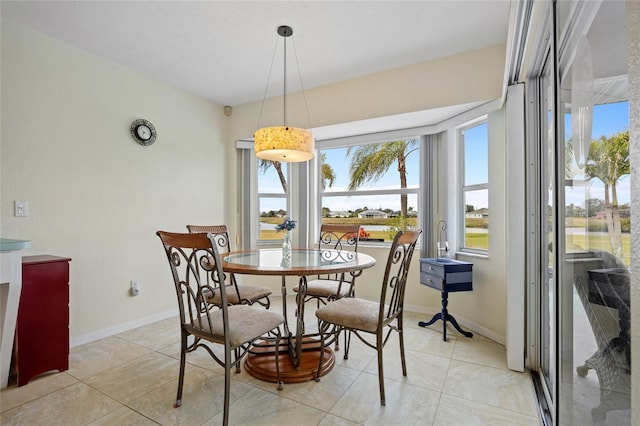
pixel 143 132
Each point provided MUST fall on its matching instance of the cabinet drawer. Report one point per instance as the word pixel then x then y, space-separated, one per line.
pixel 432 268
pixel 446 274
pixel 432 281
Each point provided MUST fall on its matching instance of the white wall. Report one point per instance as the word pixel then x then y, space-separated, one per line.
pixel 94 195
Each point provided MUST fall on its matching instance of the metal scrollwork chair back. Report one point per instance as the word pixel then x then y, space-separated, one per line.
pixel 236 293
pixel 324 288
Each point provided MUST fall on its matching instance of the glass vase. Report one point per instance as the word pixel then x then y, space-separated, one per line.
pixel 286 246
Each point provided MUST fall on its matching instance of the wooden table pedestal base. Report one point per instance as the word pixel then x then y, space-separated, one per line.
pixel 262 363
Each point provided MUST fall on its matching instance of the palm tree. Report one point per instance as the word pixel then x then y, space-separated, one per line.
pixel 328 175
pixel 263 166
pixel 608 160
pixel 370 162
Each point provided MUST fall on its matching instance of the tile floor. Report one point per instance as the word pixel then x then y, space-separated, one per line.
pixel 131 378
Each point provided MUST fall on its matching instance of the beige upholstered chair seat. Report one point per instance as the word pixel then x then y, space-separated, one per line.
pixel 327 288
pixel 247 293
pixel 352 313
pixel 245 324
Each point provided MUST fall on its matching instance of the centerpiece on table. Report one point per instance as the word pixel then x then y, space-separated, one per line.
pixel 288 225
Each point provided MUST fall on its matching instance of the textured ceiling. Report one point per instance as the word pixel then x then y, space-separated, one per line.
pixel 223 50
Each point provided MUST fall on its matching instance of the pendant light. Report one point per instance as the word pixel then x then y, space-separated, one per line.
pixel 284 143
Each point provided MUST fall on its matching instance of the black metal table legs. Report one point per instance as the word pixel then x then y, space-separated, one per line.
pixel 445 316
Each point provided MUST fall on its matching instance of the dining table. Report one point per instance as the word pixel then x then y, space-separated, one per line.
pixel 303 349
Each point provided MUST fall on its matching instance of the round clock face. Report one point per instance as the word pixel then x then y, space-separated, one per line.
pixel 143 132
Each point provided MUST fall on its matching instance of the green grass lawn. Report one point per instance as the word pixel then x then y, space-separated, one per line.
pixel 474 239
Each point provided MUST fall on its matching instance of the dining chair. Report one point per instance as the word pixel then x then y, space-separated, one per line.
pixel 364 317
pixel 247 294
pixel 197 271
pixel 325 288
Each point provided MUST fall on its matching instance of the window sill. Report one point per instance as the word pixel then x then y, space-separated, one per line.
pixel 471 255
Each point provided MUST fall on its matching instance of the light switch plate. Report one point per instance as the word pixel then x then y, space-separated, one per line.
pixel 21 208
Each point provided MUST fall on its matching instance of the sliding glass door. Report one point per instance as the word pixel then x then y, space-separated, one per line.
pixel 583 350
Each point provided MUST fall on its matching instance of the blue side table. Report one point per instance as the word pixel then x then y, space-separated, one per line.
pixel 446 275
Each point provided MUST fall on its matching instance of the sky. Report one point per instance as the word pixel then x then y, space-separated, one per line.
pixel 607 120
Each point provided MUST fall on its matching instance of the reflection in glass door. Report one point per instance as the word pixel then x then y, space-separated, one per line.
pixel 594 222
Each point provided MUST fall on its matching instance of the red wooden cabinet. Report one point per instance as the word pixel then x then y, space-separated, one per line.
pixel 42 329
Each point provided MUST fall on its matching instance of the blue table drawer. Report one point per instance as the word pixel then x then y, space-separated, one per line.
pixel 446 274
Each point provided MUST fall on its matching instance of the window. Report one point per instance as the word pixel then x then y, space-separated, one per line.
pixel 375 185
pixel 273 194
pixel 475 186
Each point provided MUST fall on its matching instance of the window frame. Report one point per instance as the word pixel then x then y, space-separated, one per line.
pixel 372 140
pixel 435 177
pixel 273 195
pixel 464 189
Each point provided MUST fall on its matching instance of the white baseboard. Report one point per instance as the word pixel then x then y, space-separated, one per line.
pixel 120 328
pixel 464 323
pixel 110 331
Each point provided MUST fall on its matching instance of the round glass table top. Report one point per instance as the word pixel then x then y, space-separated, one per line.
pixel 302 262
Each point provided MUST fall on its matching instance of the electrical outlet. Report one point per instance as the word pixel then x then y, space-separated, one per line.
pixel 134 290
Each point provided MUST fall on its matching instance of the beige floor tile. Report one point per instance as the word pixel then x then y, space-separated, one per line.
pixel 199 357
pixel 154 336
pixel 425 370
pixel 129 381
pixel 140 369
pixel 202 398
pixel 321 395
pixel 480 350
pixel 266 408
pixel 123 416
pixel 77 404
pixel 14 396
pixel 454 411
pixel 425 340
pixel 360 355
pixel 151 329
pixel 92 358
pixel 331 420
pixel 405 404
pixel 500 388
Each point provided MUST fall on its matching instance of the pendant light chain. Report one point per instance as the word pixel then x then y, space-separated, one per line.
pixel 284 94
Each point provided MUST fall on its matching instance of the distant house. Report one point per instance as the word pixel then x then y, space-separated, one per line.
pixel 624 213
pixel 479 214
pixel 373 214
pixel 338 214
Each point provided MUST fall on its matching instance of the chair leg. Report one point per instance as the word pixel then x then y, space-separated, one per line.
pixel 379 347
pixel 347 343
pixel 183 360
pixel 227 384
pixel 321 328
pixel 277 353
pixel 237 352
pixel 401 337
